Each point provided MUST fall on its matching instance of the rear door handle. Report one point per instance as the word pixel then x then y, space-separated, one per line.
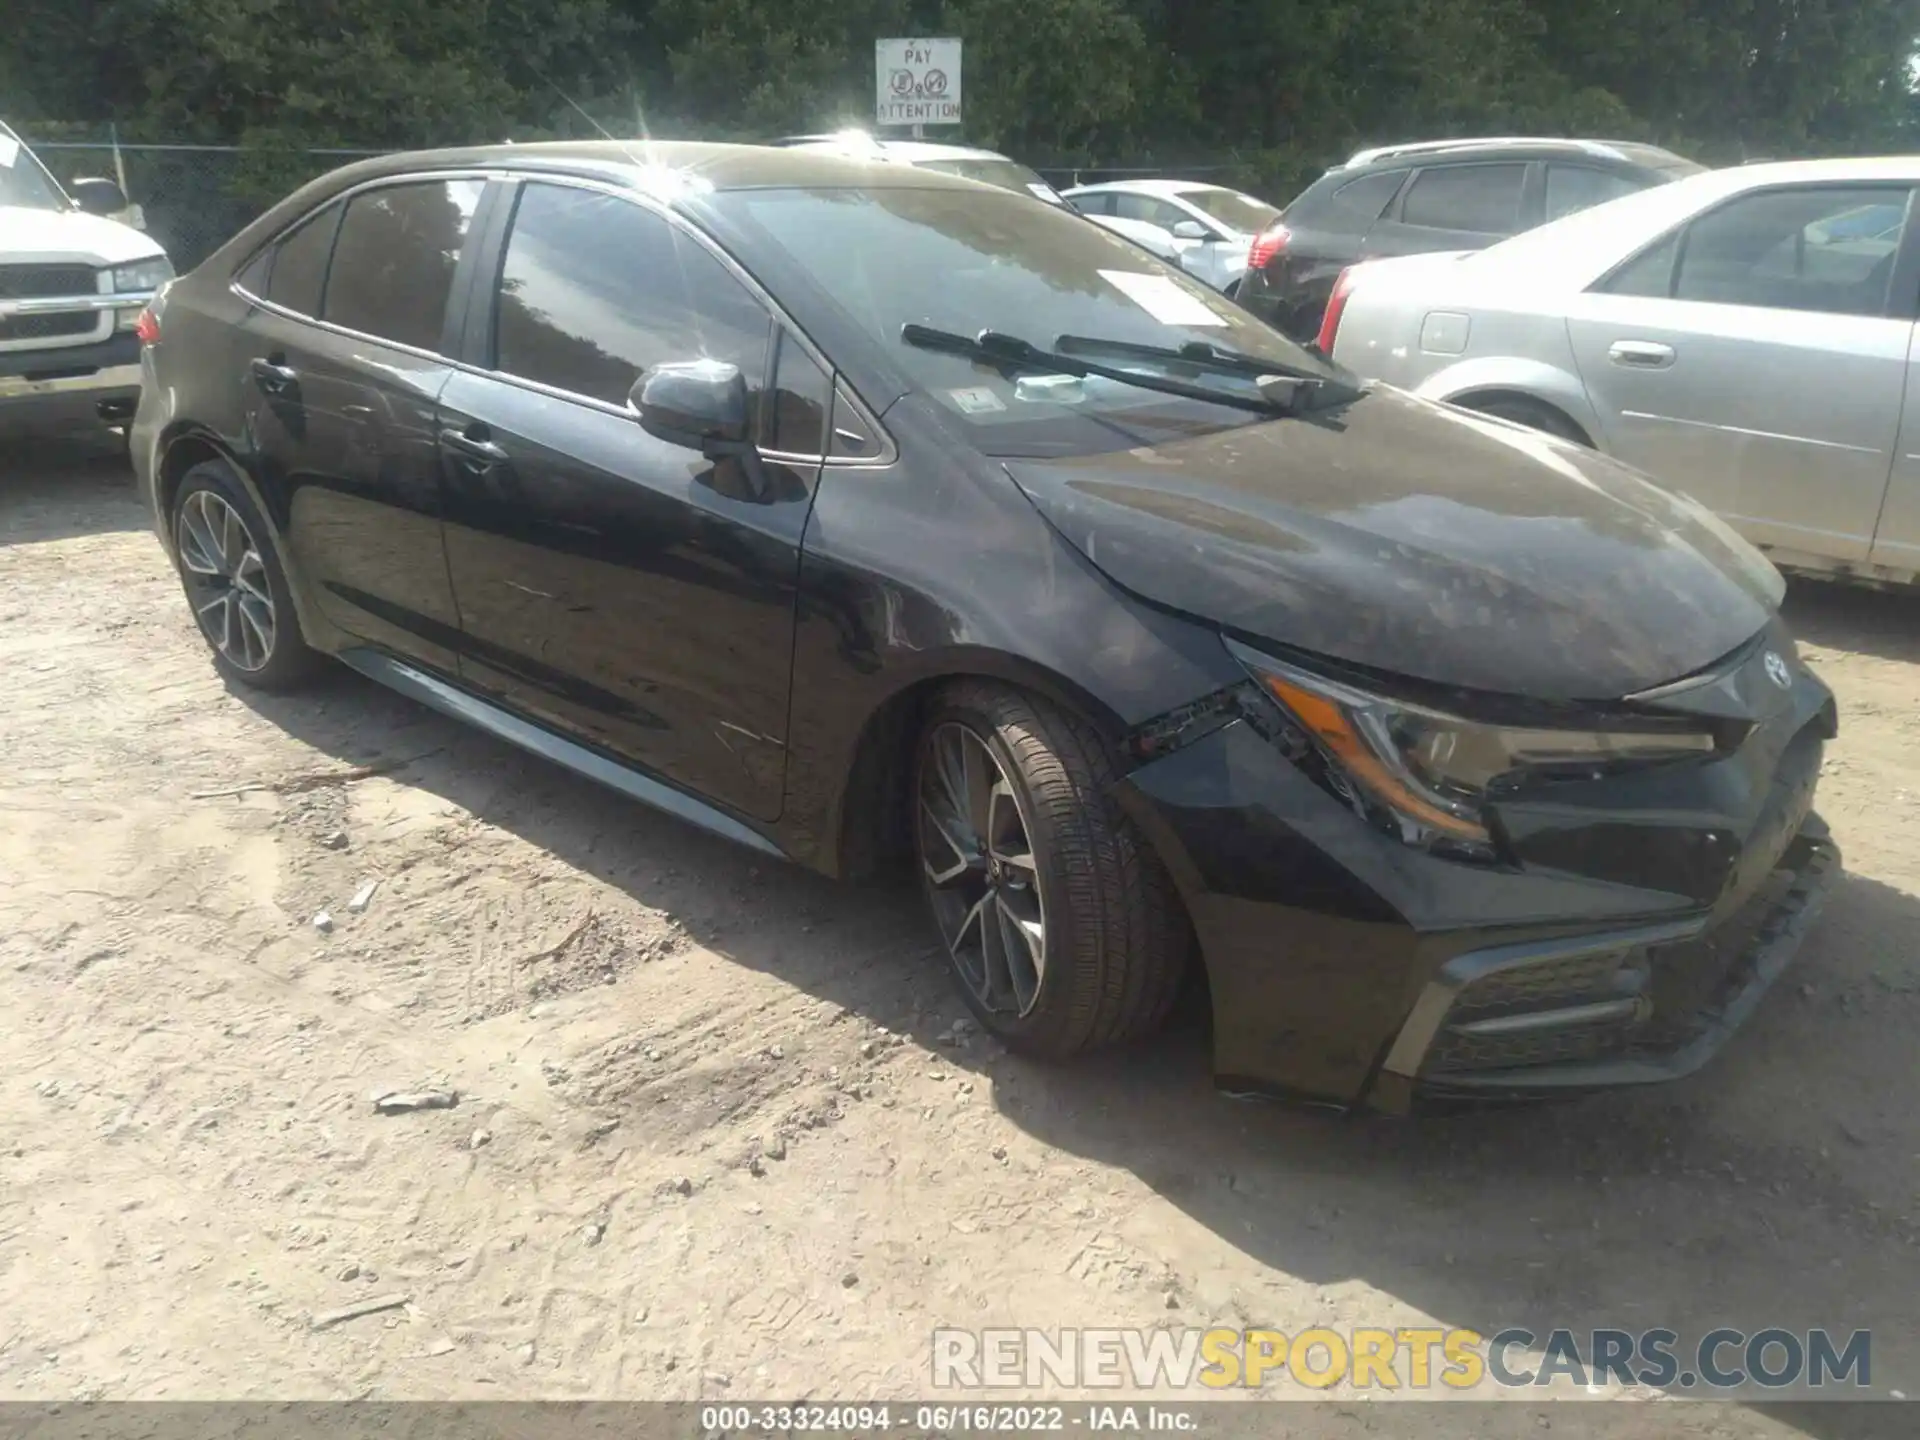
pixel 273 377
pixel 473 444
pixel 1641 354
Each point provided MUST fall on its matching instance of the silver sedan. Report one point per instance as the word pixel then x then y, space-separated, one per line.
pixel 1745 336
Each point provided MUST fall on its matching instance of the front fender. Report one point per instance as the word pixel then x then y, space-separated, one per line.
pixel 1512 374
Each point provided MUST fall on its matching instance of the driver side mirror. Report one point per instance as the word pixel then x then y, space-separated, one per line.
pixel 701 404
pixel 98 197
pixel 1189 230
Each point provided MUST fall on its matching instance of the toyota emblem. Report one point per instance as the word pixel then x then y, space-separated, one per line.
pixel 1777 670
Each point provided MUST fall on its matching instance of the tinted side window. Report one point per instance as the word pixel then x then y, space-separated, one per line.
pixel 1147 208
pixel 257 273
pixel 1484 199
pixel 1577 187
pixel 595 290
pixel 1828 248
pixel 1100 203
pixel 300 263
pixel 393 263
pixel 802 396
pixel 1648 273
pixel 1352 208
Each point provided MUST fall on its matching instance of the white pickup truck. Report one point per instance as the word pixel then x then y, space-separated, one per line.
pixel 72 286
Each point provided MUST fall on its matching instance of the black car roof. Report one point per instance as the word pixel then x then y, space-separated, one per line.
pixel 666 169
pixel 645 162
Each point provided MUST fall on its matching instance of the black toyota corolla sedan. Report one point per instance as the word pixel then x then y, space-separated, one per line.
pixel 868 515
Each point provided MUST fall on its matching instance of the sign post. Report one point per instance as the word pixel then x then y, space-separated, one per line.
pixel 917 83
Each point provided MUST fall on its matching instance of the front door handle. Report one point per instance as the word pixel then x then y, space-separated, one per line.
pixel 473 444
pixel 1641 354
pixel 274 377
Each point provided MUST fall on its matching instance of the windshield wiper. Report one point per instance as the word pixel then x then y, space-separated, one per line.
pixel 1010 353
pixel 1325 390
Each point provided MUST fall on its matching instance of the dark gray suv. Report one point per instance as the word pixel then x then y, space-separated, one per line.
pixel 1438 195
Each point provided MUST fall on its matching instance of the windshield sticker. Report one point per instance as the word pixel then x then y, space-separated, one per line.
pixel 9 151
pixel 1047 193
pixel 1161 298
pixel 978 400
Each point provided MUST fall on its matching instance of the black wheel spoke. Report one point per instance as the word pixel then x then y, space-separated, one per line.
pixel 1006 832
pixel 1022 942
pixel 960 856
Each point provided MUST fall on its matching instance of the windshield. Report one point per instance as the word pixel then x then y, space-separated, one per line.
pixel 1232 209
pixel 22 182
pixel 892 257
pixel 1007 174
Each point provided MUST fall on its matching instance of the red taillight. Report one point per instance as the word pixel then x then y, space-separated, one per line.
pixel 147 329
pixel 1273 242
pixel 1336 306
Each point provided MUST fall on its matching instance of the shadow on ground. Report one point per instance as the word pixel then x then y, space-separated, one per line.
pixel 55 487
pixel 1885 623
pixel 1776 1189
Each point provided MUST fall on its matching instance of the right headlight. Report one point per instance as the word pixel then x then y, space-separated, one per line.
pixel 1430 774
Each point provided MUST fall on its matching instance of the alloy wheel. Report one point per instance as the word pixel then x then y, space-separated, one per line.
pixel 981 873
pixel 226 580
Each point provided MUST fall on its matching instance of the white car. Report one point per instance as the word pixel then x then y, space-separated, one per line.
pixel 1209 227
pixel 1745 336
pixel 72 286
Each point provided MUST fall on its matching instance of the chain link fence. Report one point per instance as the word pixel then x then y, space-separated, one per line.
pixel 191 198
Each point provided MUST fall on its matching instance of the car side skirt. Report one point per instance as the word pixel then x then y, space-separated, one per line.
pixel 459 704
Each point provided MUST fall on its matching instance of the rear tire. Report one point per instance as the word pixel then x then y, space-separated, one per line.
pixel 235 583
pixel 1534 414
pixel 1063 928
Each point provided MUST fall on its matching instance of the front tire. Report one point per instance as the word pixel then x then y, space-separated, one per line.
pixel 235 583
pixel 1061 924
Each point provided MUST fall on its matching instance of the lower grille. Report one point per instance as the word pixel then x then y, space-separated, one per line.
pixel 39 282
pixel 50 326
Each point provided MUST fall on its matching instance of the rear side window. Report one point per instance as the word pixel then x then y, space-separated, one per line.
pixel 1100 203
pixel 1648 273
pixel 1826 248
pixel 1481 199
pixel 1348 209
pixel 1358 204
pixel 596 290
pixel 1572 188
pixel 1148 208
pixel 299 263
pixel 394 260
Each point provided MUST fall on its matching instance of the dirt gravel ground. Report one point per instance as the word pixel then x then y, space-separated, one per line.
pixel 709 1140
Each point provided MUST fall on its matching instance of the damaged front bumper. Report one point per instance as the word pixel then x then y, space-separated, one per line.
pixel 1582 1014
pixel 1347 967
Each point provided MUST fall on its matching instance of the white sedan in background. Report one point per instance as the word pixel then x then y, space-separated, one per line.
pixel 1209 228
pixel 1746 336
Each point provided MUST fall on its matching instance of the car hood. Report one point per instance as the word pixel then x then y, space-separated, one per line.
pixel 68 236
pixel 1422 541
